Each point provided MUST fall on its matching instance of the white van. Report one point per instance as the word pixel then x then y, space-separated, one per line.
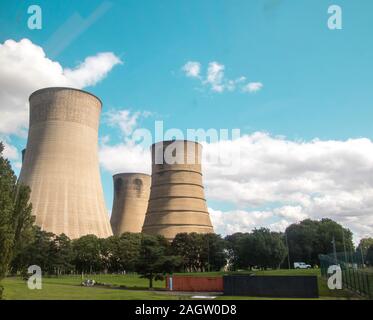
pixel 301 265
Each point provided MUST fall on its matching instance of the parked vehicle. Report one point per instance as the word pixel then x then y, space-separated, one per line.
pixel 301 265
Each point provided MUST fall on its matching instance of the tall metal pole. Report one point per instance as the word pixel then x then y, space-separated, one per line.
pixel 334 251
pixel 362 256
pixel 208 253
pixel 344 245
pixel 287 245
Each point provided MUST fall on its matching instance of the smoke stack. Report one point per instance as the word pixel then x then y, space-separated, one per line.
pixel 61 163
pixel 131 196
pixel 177 200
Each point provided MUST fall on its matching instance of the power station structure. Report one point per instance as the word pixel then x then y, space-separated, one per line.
pixel 177 200
pixel 131 196
pixel 61 163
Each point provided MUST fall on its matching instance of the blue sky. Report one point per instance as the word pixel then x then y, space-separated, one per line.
pixel 317 82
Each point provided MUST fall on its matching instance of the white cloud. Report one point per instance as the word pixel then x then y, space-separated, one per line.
pixel 25 68
pixel 123 119
pixel 298 179
pixel 126 156
pixel 10 152
pixel 252 87
pixel 215 78
pixel 92 70
pixel 192 69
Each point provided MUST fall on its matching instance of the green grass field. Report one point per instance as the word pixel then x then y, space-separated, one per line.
pixel 132 287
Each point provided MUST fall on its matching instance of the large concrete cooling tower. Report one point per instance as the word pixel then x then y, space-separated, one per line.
pixel 131 196
pixel 61 163
pixel 177 201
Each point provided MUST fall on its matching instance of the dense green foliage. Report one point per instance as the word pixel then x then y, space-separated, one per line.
pixel 369 256
pixel 364 251
pixel 200 252
pixel 309 238
pixel 15 216
pixel 155 259
pixel 261 248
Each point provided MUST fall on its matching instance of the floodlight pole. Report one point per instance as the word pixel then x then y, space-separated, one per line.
pixel 334 251
pixel 287 245
pixel 362 256
pixel 344 244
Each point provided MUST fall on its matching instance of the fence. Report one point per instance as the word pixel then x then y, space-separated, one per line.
pixel 354 276
pixel 271 286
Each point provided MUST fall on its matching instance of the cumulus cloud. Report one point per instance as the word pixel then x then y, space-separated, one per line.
pixel 92 70
pixel 299 179
pixel 26 68
pixel 126 156
pixel 215 78
pixel 124 119
pixel 278 181
pixel 10 152
pixel 252 87
pixel 192 69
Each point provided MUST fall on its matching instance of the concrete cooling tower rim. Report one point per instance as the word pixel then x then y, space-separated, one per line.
pixel 63 88
pixel 177 140
pixel 123 174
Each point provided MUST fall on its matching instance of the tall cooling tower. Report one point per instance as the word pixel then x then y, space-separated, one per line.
pixel 131 196
pixel 61 163
pixel 177 201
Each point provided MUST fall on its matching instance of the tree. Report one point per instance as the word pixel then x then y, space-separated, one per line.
pixel 363 247
pixel 261 248
pixel 214 254
pixel 309 238
pixel 369 256
pixel 266 249
pixel 38 252
pixel 237 243
pixel 123 251
pixel 87 254
pixel 189 246
pixel 61 254
pixel 200 252
pixel 15 215
pixel 153 262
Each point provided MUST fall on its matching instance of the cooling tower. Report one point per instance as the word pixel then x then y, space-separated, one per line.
pixel 177 201
pixel 61 163
pixel 131 196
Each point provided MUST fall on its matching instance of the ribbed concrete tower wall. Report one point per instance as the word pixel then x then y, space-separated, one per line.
pixel 177 200
pixel 61 163
pixel 131 196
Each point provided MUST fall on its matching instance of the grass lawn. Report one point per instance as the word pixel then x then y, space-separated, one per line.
pixel 68 287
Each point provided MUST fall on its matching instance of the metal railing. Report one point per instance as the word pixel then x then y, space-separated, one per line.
pixel 354 276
